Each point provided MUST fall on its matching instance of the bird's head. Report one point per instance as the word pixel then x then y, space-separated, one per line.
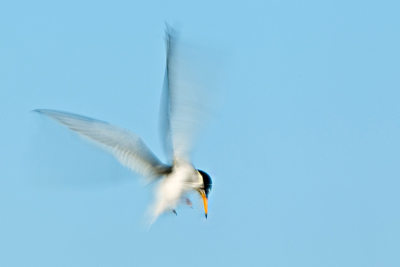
pixel 205 189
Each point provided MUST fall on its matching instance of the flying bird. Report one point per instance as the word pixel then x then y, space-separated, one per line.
pixel 181 113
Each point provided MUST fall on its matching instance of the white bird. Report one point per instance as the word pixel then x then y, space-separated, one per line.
pixel 181 116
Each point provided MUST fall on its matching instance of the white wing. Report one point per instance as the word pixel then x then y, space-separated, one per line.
pixel 184 98
pixel 126 146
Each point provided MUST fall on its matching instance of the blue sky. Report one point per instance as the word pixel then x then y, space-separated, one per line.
pixel 303 147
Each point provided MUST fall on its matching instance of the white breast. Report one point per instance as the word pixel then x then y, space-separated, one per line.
pixel 183 179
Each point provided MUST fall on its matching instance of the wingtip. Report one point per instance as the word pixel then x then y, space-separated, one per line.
pixel 171 32
pixel 167 26
pixel 168 34
pixel 41 111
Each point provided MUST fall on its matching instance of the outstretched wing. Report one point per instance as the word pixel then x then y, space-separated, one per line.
pixel 183 98
pixel 126 146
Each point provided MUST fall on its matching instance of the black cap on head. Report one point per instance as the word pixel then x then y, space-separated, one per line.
pixel 207 182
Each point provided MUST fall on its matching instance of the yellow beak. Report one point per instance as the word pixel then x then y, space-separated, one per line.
pixel 205 201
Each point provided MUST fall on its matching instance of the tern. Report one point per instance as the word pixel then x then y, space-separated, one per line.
pixel 180 114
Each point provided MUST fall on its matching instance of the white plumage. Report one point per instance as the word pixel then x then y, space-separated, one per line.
pixel 182 113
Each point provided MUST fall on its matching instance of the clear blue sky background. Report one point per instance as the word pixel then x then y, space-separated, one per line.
pixel 304 146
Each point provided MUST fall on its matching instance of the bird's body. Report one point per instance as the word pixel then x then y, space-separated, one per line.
pixel 172 190
pixel 180 117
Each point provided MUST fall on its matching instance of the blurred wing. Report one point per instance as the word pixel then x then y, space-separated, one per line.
pixel 184 98
pixel 165 126
pixel 126 146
